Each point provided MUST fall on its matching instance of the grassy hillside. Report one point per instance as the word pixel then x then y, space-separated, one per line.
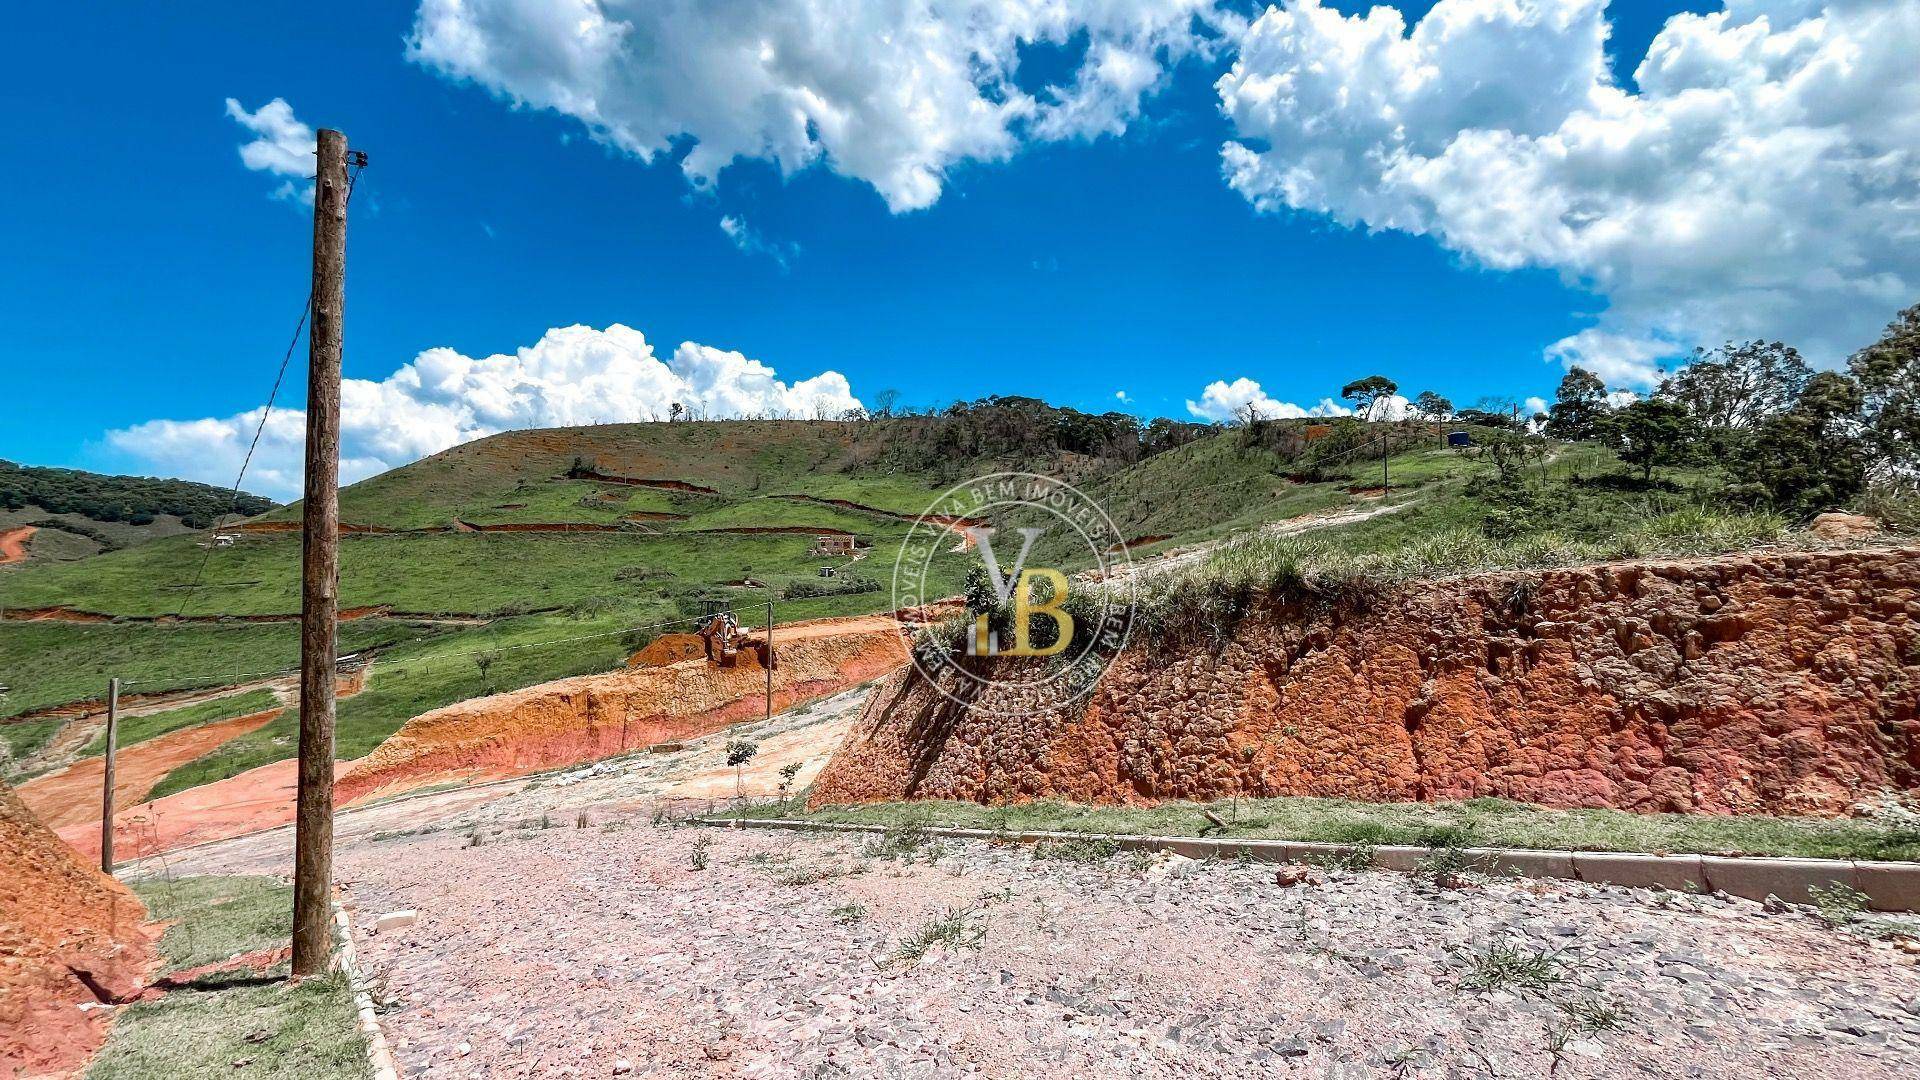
pixel 635 524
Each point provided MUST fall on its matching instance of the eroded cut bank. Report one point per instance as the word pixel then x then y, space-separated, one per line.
pixel 69 936
pixel 596 716
pixel 1775 683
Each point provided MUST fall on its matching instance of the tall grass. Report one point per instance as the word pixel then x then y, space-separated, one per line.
pixel 1262 568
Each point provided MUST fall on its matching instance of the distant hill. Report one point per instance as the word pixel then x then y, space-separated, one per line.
pixel 533 555
pixel 74 514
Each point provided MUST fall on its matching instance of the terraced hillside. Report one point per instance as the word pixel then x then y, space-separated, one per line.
pixel 532 556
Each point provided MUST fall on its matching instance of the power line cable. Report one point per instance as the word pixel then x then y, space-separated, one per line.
pixel 233 497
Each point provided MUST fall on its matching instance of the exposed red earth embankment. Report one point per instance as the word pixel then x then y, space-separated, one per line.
pixel 13 543
pixel 69 935
pixel 1769 683
pixel 596 716
pixel 346 527
pixel 250 802
pixel 636 481
pixel 71 795
pixel 541 527
pixel 669 649
pixel 848 504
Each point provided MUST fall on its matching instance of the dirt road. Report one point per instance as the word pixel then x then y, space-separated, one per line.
pixel 1185 557
pixel 543 949
pixel 71 795
pixel 13 543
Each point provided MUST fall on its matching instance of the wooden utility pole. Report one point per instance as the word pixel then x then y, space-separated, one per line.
pixel 106 781
pixel 769 659
pixel 320 565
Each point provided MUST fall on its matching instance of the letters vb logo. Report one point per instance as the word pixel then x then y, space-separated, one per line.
pixel 982 638
pixel 1041 568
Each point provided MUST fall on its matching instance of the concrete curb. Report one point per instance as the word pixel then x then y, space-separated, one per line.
pixel 379 1058
pixel 1889 886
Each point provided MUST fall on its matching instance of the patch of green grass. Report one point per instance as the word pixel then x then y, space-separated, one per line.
pixel 1490 823
pixel 1837 905
pixel 957 928
pixel 1505 966
pixel 217 917
pixel 1095 850
pixel 53 663
pixel 138 729
pixel 269 1032
pixel 21 739
pixel 1263 568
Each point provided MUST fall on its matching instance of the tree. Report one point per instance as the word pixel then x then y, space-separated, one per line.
pixel 1810 457
pixel 1431 406
pixel 1888 375
pixel 1650 432
pixel 787 773
pixel 1578 407
pixel 739 752
pixel 484 660
pixel 1737 386
pixel 1370 394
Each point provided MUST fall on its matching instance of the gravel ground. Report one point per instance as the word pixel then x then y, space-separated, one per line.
pixel 604 951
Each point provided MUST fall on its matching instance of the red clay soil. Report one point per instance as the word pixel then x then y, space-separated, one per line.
pixel 13 543
pixel 596 716
pixel 634 481
pixel 345 527
pixel 69 935
pixel 805 530
pixel 847 504
pixel 543 527
pixel 668 649
pixel 652 515
pixel 1774 683
pixel 67 614
pixel 71 795
pixel 55 614
pixel 248 803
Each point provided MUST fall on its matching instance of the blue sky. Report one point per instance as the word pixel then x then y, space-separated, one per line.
pixel 150 275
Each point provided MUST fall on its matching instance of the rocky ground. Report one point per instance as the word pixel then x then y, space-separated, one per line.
pixel 543 949
pixel 630 948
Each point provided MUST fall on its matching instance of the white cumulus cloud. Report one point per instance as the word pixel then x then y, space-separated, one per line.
pixel 1762 181
pixel 281 146
pixel 1225 401
pixel 572 375
pixel 894 94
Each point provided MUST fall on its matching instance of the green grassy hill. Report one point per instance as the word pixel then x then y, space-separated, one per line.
pixel 619 526
pixel 78 514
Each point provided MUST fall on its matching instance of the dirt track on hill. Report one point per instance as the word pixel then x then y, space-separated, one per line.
pixel 255 800
pixel 71 795
pixel 13 543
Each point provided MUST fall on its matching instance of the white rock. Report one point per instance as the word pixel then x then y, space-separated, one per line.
pixel 394 920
